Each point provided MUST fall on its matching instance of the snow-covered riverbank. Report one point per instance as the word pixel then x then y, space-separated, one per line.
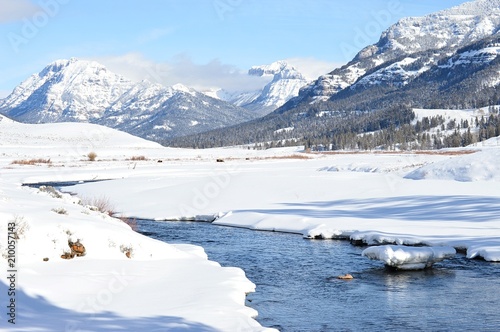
pixel 158 287
pixel 381 197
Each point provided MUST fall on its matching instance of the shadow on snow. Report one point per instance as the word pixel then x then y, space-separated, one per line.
pixel 37 314
pixel 417 208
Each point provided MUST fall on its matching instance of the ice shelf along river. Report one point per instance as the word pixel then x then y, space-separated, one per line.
pixel 298 288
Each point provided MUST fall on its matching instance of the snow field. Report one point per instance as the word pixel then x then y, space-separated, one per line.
pixel 364 197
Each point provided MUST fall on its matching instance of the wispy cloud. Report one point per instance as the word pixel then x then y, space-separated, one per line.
pixel 182 69
pixel 14 10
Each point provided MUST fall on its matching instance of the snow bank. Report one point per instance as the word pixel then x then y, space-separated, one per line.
pixel 480 166
pixel 409 258
pixel 137 282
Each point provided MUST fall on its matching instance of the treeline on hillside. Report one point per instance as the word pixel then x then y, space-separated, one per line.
pixel 415 136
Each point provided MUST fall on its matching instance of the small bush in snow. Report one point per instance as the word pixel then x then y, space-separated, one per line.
pixel 127 250
pixel 92 156
pixel 60 211
pixel 50 190
pixel 101 204
pixel 20 228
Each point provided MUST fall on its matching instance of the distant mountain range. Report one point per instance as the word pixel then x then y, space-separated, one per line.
pixel 449 59
pixel 85 91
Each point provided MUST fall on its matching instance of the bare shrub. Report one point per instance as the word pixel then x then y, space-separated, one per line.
pixel 51 191
pixel 21 227
pixel 92 156
pixel 101 204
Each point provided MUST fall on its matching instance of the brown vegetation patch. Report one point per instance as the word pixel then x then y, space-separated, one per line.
pixel 138 158
pixel 446 153
pixel 421 152
pixel 132 222
pixel 31 161
pixel 292 156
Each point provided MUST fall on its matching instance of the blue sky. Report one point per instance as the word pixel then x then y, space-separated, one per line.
pixel 200 43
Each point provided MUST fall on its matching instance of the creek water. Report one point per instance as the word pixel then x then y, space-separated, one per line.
pixel 298 288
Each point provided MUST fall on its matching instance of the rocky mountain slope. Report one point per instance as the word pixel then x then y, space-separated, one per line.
pixel 85 91
pixel 439 34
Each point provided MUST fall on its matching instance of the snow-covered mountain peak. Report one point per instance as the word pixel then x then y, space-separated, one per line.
pixel 285 84
pixel 477 8
pixel 66 89
pixel 271 69
pixel 182 88
pixel 452 27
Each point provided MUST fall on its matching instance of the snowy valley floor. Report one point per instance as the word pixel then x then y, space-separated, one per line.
pixel 440 199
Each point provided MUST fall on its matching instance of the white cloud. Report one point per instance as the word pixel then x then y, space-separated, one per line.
pixel 313 68
pixel 13 10
pixel 181 69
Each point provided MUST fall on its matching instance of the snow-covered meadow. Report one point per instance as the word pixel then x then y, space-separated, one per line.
pixel 437 199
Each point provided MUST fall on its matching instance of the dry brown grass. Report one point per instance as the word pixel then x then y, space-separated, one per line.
pixel 132 222
pixel 420 152
pixel 291 156
pixel 446 153
pixel 31 161
pixel 138 158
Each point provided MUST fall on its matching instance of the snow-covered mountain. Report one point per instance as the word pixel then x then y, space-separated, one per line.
pixel 449 59
pixel 85 91
pixel 65 90
pixel 410 47
pixel 285 83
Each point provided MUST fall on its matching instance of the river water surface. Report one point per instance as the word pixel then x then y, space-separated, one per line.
pixel 298 289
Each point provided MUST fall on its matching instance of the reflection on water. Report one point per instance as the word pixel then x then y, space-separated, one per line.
pixel 298 289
